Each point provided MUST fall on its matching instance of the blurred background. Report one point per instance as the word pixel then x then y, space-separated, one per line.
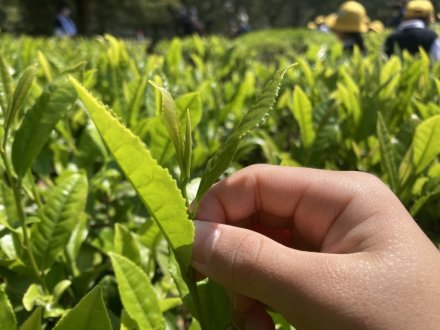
pixel 153 18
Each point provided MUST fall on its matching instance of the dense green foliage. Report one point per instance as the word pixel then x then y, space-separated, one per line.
pixel 104 147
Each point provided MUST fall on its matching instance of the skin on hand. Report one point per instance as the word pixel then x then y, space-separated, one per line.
pixel 327 250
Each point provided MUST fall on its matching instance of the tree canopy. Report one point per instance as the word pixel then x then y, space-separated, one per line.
pixel 124 17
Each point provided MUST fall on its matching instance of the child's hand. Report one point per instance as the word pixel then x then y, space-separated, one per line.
pixel 327 250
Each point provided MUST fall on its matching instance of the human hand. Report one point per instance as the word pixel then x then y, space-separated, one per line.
pixel 327 250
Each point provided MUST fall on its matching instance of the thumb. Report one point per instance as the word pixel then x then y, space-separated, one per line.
pixel 243 261
pixel 298 284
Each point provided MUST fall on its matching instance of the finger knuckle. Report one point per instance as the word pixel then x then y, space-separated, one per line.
pixel 246 262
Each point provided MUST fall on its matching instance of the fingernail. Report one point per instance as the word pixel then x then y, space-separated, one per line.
pixel 206 237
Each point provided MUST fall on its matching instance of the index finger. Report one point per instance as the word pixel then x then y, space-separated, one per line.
pixel 305 201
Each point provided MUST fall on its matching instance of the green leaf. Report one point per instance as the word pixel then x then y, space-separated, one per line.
pixel 193 103
pixel 34 321
pixel 420 203
pixel 77 238
pixel 387 154
pixel 19 96
pixel 7 316
pixel 426 143
pixel 8 214
pixel 153 184
pixel 60 288
pixel 137 100
pixel 216 304
pixel 169 303
pixel 127 323
pixel 39 122
pixel 33 295
pixel 89 314
pixel 187 152
pixel 137 294
pixel 256 114
pixel 171 121
pixel 44 63
pixel 5 84
pixel 58 216
pixel 302 111
pixel 126 245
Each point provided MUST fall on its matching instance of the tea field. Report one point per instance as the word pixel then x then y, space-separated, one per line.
pixel 104 146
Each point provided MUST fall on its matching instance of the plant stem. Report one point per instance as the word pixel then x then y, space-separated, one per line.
pixel 35 191
pixel 16 188
pixel 192 286
pixel 27 245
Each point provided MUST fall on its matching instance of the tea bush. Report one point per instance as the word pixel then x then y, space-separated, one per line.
pixel 104 146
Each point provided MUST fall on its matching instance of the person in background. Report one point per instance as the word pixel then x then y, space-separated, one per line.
pixel 399 8
pixel 64 25
pixel 242 24
pixel 318 24
pixel 414 33
pixel 349 24
pixel 189 22
pixel 376 27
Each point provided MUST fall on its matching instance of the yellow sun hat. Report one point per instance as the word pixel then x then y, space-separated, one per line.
pixel 376 26
pixel 419 9
pixel 320 19
pixel 351 18
pixel 312 26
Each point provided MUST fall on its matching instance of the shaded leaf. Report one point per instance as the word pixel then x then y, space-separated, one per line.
pixel 126 245
pixel 34 321
pixel 137 294
pixel 19 96
pixel 387 154
pixel 58 216
pixel 89 314
pixel 5 84
pixel 216 305
pixel 39 122
pixel 7 317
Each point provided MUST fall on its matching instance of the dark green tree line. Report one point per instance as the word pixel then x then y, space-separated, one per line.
pixel 122 17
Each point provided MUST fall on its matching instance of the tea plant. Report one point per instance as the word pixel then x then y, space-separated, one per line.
pixel 103 149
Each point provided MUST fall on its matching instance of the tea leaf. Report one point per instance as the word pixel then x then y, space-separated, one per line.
pixel 169 303
pixel 7 317
pixel 187 152
pixel 34 321
pixel 58 217
pixel 256 114
pixel 153 184
pixel 5 84
pixel 193 103
pixel 137 100
pixel 387 154
pixel 302 111
pixel 137 294
pixel 90 313
pixel 171 121
pixel 126 245
pixel 44 63
pixel 426 143
pixel 39 122
pixel 216 304
pixel 19 96
pixel 8 214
